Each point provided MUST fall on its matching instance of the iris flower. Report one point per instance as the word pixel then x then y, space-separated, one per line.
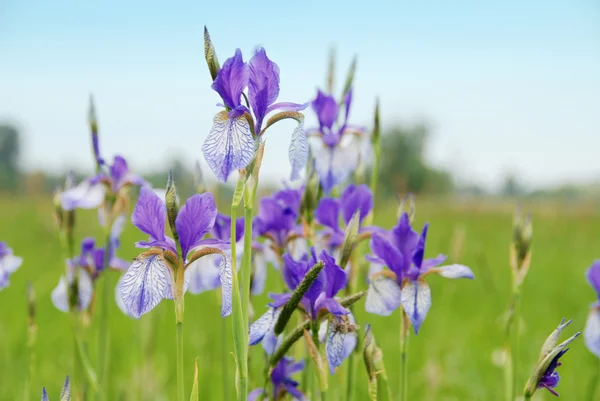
pixel 550 378
pixel 112 180
pixel 318 300
pixel 591 334
pixel 283 384
pixel 9 263
pixel 237 130
pixel 151 277
pixel 402 251
pixel 341 146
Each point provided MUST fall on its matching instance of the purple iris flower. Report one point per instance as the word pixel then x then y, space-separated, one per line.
pixel 88 265
pixel 354 198
pixel 550 379
pixel 336 157
pixel 591 334
pixel 9 263
pixel 283 384
pixel 232 141
pixel 204 273
pixel 402 251
pixel 111 180
pixel 65 394
pixel 320 297
pixel 150 278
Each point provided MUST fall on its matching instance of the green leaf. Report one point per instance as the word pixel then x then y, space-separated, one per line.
pixel 331 70
pixel 349 77
pixel 210 55
pixel 194 396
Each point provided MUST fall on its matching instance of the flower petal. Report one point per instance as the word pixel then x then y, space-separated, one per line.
pixel 44 394
pixel 145 284
pixel 259 276
pixel 261 326
pixel 593 276
pixel 59 295
pixel 339 344
pixel 119 298
pixel 389 254
pixel 89 194
pixel 226 277
pixel 454 271
pixel 356 197
pixel 335 277
pixel 150 214
pixel 231 80
pixel 591 333
pixel 263 84
pixel 326 109
pixel 10 263
pixel 335 164
pixel 204 274
pixel 194 219
pixel 298 151
pixel 416 301
pixel 117 226
pixel 255 394
pixel 327 213
pixel 229 145
pixel 383 297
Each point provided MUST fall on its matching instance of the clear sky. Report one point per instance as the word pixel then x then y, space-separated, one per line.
pixel 507 85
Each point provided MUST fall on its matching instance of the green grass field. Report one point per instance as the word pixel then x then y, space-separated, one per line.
pixel 450 359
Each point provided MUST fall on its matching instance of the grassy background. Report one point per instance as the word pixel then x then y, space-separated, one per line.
pixel 451 359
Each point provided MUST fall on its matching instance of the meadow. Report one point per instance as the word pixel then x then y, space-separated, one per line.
pixel 450 359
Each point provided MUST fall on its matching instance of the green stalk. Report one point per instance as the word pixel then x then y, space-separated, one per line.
pixel 509 360
pixel 180 385
pixel 31 340
pixel 593 386
pixel 350 379
pixel 317 394
pixel 247 263
pixel 224 358
pixel 104 329
pixel 404 329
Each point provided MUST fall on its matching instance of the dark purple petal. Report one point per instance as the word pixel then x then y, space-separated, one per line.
pixel 279 299
pixel 336 278
pixel 420 251
pixel 222 228
pixel 330 304
pixel 149 214
pixel 390 255
pixel 326 109
pixel 263 85
pixel 194 220
pixel 293 271
pixel 327 213
pixel 118 169
pixel 356 198
pixel 231 80
pixel 405 239
pixel 347 103
pixel 593 276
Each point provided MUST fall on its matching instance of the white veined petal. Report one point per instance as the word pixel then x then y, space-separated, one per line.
pixel 204 274
pixel 145 284
pixel 59 295
pixel 591 333
pixel 383 297
pixel 229 145
pixel 298 150
pixel 334 348
pixel 226 277
pixel 335 165
pixel 83 196
pixel 259 278
pixel 455 271
pixel 10 263
pixel 261 326
pixel 119 298
pixel 86 289
pixel 299 247
pixel 416 301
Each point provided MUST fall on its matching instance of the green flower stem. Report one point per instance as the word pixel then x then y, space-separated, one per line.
pixel 104 329
pixel 180 385
pixel 317 394
pixel 593 386
pixel 224 359
pixel 510 352
pixel 31 341
pixel 240 343
pixel 404 330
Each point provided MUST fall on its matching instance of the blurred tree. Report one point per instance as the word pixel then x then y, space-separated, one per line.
pixel 403 168
pixel 9 157
pixel 511 186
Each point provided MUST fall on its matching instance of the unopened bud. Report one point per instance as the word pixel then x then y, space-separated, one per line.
pixel 93 123
pixel 210 55
pixel 522 234
pixel 350 240
pixel 373 357
pixel 375 137
pixel 172 204
pixel 406 205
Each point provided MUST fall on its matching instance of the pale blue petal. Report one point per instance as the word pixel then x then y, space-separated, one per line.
pixel 591 333
pixel 298 151
pixel 204 274
pixel 336 347
pixel 119 298
pixel 416 301
pixel 10 263
pixel 262 325
pixel 59 295
pixel 455 271
pixel 117 227
pixel 259 278
pixel 335 165
pixel 270 342
pixel 255 394
pixel 145 284
pixel 86 195
pixel 65 394
pixel 86 289
pixel 226 277
pixel 383 297
pixel 229 145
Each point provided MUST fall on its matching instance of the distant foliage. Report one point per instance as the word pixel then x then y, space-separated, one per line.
pixel 9 158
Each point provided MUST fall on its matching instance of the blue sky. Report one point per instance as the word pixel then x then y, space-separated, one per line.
pixel 506 86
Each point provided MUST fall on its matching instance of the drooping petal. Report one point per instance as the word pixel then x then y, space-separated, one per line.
pixel 270 342
pixel 229 145
pixel 150 214
pixel 338 344
pixel 327 213
pixel 89 194
pixel 119 298
pixel 335 164
pixel 261 326
pixel 354 198
pixel 593 276
pixel 59 295
pixel 255 394
pixel 591 333
pixel 226 277
pixel 145 284
pixel 455 271
pixel 194 219
pixel 259 276
pixel 263 84
pixel 416 301
pixel 231 80
pixel 10 263
pixel 383 297
pixel 326 109
pixel 204 274
pixel 298 151
pixel 389 254
pixel 433 262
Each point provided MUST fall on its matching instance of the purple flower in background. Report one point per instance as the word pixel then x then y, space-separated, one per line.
pixel 591 333
pixel 65 394
pixel 354 198
pixel 150 278
pixel 283 384
pixel 341 146
pixel 550 379
pixel 402 251
pixel 9 263
pixel 111 180
pixel 204 273
pixel 87 266
pixel 232 141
